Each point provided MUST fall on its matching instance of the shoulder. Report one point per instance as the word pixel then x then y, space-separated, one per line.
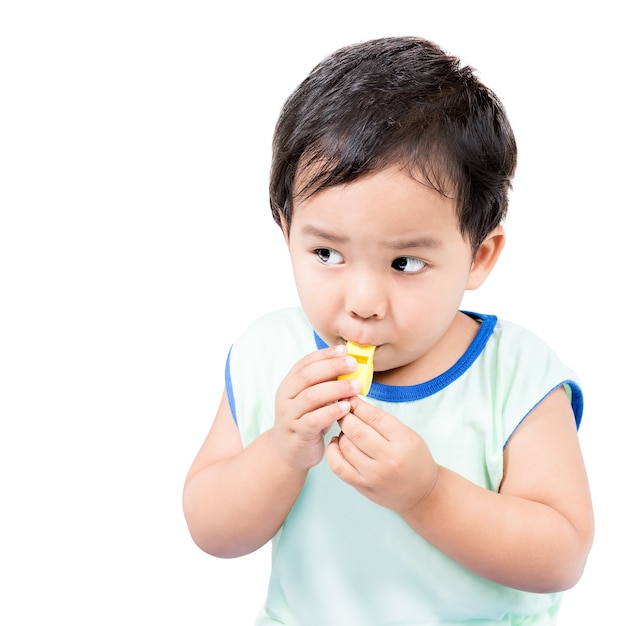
pixel 511 334
pixel 277 323
pixel 258 361
pixel 276 336
pixel 528 369
pixel 522 351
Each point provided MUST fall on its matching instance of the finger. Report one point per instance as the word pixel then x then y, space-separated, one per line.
pixel 382 422
pixel 317 355
pixel 317 367
pixel 310 400
pixel 359 456
pixel 338 463
pixel 311 424
pixel 357 436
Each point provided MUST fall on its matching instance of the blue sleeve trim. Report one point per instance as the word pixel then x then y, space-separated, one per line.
pixel 576 400
pixel 229 389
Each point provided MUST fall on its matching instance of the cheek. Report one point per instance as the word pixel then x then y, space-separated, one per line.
pixel 433 304
pixel 314 288
pixel 449 287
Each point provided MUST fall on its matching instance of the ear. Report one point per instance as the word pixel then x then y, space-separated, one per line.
pixel 485 258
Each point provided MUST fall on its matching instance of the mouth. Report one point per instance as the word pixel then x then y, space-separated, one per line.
pixel 363 344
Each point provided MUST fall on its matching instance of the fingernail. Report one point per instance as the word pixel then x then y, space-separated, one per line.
pixel 340 349
pixel 356 385
pixel 351 363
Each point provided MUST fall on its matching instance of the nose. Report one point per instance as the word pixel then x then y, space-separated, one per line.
pixel 366 297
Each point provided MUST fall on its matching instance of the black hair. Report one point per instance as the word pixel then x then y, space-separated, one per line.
pixel 397 101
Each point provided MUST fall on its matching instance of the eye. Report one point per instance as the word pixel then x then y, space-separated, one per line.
pixel 408 264
pixel 328 256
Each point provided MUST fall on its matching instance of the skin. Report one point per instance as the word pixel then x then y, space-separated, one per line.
pixel 387 255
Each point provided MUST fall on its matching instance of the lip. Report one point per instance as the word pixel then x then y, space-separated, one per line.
pixel 362 343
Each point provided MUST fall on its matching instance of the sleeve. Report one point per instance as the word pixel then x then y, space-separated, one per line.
pixel 530 371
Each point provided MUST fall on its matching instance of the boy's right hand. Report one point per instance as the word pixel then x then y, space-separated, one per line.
pixel 308 401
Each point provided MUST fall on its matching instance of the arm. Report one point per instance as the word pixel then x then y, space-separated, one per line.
pixel 534 534
pixel 235 499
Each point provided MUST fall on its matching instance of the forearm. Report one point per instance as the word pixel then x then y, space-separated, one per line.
pixel 236 505
pixel 513 541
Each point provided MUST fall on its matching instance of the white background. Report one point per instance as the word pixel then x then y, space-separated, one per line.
pixel 136 243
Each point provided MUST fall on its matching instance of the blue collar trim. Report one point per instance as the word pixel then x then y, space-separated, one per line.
pixel 398 393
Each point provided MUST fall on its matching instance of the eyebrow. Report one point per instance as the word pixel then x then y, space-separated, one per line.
pixel 313 231
pixel 418 242
pixel 399 244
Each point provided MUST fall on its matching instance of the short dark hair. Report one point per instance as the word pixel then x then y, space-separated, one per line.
pixel 397 101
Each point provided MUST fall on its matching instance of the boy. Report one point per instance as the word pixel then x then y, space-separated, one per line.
pixel 455 491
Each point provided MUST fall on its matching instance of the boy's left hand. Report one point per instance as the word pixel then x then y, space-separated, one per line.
pixel 382 458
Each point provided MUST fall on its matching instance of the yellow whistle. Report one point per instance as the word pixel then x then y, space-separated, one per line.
pixel 364 372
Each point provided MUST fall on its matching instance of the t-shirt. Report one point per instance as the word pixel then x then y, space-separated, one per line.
pixel 339 559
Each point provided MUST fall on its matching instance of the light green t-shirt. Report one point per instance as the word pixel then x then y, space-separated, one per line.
pixel 340 559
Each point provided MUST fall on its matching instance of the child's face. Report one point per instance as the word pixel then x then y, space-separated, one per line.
pixel 381 261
